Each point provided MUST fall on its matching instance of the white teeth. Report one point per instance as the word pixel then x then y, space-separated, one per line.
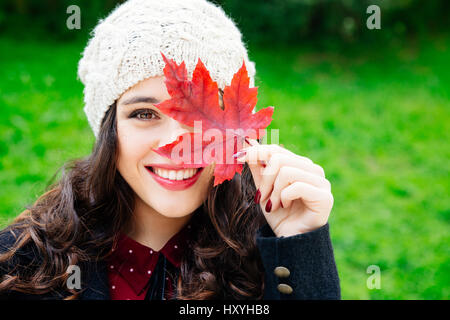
pixel 161 172
pixel 175 174
pixel 188 173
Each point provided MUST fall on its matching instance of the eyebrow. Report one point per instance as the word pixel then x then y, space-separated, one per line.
pixel 139 99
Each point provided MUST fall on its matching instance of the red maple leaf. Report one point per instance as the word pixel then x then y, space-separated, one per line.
pixel 198 100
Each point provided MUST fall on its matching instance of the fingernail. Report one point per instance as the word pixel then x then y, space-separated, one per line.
pixel 281 204
pixel 257 196
pixel 268 206
pixel 239 154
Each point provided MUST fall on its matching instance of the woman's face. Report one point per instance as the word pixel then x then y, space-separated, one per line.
pixel 141 127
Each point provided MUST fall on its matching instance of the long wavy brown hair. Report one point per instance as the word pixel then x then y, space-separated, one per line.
pixel 79 218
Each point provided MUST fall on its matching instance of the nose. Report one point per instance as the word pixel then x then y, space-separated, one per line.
pixel 172 131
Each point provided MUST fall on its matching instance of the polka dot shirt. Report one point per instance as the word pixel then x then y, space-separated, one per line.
pixel 132 265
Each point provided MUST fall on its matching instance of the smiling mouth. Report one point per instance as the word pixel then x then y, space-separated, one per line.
pixel 174 175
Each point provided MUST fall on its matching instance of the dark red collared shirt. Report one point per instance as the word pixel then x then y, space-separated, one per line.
pixel 132 265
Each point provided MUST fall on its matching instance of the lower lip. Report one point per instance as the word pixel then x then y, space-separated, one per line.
pixel 175 185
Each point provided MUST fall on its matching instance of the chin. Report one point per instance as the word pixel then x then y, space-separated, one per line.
pixel 174 209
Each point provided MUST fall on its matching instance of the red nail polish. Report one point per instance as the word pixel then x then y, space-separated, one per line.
pixel 257 196
pixel 281 204
pixel 240 154
pixel 268 206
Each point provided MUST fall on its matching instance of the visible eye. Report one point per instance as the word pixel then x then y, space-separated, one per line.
pixel 144 114
pixel 221 98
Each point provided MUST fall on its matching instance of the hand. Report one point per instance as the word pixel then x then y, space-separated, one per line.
pixel 295 196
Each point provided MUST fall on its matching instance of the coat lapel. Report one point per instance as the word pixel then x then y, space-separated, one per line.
pixel 96 282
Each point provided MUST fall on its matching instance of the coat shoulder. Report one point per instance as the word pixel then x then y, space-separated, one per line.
pixel 8 239
pixel 24 261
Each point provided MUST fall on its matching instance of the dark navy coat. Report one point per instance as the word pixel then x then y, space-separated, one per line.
pixel 296 268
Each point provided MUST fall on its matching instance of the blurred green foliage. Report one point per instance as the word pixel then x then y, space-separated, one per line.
pixel 264 22
pixel 371 107
pixel 377 119
pixel 294 21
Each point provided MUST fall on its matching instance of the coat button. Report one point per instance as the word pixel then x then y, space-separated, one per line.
pixel 282 272
pixel 284 288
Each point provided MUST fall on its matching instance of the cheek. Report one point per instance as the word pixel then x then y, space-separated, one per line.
pixel 132 146
pixel 208 174
pixel 210 170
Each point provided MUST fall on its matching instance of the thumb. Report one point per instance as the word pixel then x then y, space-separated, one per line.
pixel 253 161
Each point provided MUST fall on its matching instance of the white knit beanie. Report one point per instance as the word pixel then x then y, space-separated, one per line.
pixel 126 47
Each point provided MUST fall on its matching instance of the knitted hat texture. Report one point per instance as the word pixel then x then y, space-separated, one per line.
pixel 126 47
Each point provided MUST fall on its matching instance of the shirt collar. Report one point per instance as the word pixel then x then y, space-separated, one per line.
pixel 136 262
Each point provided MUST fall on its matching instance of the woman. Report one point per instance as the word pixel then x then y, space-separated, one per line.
pixel 126 223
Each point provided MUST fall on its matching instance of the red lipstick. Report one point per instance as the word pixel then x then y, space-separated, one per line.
pixel 175 185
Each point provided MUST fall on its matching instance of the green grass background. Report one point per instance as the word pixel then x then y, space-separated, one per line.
pixel 375 117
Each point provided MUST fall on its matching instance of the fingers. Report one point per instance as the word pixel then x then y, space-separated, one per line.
pixel 283 168
pixel 316 199
pixel 280 160
pixel 288 175
pixel 263 152
pixel 269 157
pixel 257 155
